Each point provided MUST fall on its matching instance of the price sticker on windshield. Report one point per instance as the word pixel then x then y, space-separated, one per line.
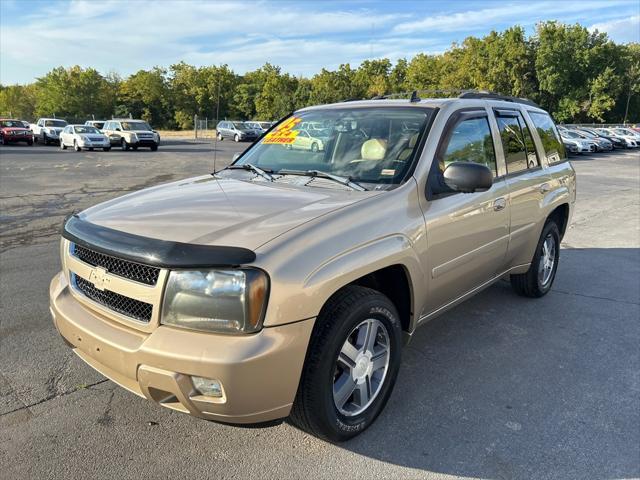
pixel 283 134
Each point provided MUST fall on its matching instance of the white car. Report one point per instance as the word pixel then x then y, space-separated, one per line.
pixel 258 126
pixel 47 130
pixel 630 140
pixel 584 145
pixel 83 136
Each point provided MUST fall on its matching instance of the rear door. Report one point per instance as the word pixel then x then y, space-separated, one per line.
pixel 527 182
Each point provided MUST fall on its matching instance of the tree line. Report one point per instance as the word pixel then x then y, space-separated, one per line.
pixel 577 75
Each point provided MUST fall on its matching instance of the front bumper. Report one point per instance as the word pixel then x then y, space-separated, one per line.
pixel 18 138
pixel 259 373
pixel 97 144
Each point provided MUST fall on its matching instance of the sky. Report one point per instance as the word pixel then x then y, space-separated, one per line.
pixel 302 37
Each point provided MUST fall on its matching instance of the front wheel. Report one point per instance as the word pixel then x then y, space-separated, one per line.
pixel 45 140
pixel 236 138
pixel 220 137
pixel 76 147
pixel 314 147
pixel 154 148
pixel 124 145
pixel 106 149
pixel 542 271
pixel 351 366
pixel 62 145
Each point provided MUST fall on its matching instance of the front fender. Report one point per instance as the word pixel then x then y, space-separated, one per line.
pixel 333 274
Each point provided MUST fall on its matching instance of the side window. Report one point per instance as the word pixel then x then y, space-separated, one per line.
pixel 532 156
pixel 107 126
pixel 469 141
pixel 551 141
pixel 517 143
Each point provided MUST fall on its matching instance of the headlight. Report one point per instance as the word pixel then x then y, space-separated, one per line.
pixel 224 301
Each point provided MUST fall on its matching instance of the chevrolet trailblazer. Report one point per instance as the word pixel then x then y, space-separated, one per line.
pixel 287 283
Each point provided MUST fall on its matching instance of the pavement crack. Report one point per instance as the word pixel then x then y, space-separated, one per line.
pixel 105 419
pixel 595 297
pixel 53 397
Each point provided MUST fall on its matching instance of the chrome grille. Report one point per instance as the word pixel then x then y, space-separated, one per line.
pixel 123 268
pixel 129 307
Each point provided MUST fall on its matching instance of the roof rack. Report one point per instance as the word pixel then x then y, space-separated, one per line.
pixel 414 96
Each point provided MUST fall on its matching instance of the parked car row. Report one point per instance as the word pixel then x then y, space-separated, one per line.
pixel 126 133
pixel 578 139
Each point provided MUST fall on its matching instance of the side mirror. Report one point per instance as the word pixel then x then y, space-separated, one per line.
pixel 118 129
pixel 236 156
pixel 468 177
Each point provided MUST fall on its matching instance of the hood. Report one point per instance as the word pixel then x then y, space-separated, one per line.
pixel 219 211
pixel 14 129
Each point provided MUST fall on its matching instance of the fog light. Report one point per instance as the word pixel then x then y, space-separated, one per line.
pixel 207 387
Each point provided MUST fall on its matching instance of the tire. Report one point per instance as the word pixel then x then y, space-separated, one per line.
pixel 76 147
pixel 341 320
pixel 90 149
pixel 124 145
pixel 106 149
pixel 45 141
pixel 236 138
pixel 536 283
pixel 62 145
pixel 314 147
pixel 1 140
pixel 154 148
pixel 220 137
pixel 134 148
pixel 30 143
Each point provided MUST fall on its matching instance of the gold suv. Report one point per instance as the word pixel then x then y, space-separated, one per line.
pixel 287 283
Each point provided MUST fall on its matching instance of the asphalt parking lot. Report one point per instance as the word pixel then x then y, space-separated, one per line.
pixel 500 387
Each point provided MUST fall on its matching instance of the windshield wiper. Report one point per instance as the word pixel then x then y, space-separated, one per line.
pixel 251 167
pixel 347 181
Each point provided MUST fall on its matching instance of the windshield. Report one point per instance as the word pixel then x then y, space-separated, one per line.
pixel 571 134
pixel 55 123
pixel 587 133
pixel 86 129
pixel 369 145
pixel 11 123
pixel 265 125
pixel 240 125
pixel 136 126
pixel 97 124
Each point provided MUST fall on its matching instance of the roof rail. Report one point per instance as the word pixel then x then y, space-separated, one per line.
pixel 414 96
pixel 480 94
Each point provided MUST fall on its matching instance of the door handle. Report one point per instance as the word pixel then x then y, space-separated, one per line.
pixel 499 204
pixel 545 187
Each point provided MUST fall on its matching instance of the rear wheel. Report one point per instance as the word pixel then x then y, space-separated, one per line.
pixel 106 149
pixel 351 366
pixel 236 138
pixel 542 272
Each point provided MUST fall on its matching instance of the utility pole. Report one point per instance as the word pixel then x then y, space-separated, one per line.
pixel 215 142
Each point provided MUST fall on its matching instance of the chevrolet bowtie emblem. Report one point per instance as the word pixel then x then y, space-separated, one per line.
pixel 98 277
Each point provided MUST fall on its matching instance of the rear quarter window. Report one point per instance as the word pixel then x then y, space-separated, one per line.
pixel 551 141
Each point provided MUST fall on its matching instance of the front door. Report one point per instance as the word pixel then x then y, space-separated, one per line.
pixel 467 233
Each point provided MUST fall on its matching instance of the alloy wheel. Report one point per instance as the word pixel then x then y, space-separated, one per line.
pixel 361 367
pixel 547 260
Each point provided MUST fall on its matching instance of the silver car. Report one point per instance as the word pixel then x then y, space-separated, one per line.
pixel 239 131
pixel 83 136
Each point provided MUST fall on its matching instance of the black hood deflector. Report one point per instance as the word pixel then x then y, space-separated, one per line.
pixel 152 251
